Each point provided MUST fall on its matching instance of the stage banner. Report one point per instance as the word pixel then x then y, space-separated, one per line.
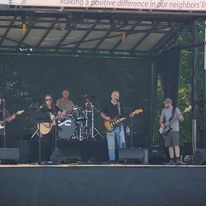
pixel 174 5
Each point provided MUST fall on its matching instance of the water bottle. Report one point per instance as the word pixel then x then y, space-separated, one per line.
pixel 128 130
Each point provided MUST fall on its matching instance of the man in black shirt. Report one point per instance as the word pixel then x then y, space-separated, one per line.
pixel 112 110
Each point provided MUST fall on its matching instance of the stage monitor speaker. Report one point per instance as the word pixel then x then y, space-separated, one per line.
pixel 156 154
pixel 65 154
pixel 134 154
pixel 199 157
pixel 187 148
pixel 11 154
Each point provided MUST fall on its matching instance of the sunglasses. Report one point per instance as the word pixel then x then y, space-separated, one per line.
pixel 47 99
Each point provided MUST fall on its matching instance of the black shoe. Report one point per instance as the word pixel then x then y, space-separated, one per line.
pixel 171 162
pixel 178 162
pixel 111 162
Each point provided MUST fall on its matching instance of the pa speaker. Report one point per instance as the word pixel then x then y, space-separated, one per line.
pixel 156 154
pixel 135 154
pixel 9 154
pixel 199 157
pixel 65 154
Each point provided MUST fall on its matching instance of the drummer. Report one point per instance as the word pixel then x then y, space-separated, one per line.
pixel 64 103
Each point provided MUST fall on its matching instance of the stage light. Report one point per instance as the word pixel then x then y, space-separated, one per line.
pixel 24 29
pixel 24 26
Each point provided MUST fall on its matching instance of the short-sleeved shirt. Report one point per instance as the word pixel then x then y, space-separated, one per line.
pixel 65 105
pixel 112 110
pixel 167 114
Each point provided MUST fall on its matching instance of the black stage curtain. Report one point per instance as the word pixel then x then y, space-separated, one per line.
pixel 24 81
pixel 106 186
pixel 168 68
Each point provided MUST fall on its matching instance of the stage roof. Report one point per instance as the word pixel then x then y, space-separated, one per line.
pixel 77 31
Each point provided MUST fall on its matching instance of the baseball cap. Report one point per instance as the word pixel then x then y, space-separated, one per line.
pixel 167 100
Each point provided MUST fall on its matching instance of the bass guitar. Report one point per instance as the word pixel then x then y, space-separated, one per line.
pixel 10 118
pixel 110 125
pixel 167 126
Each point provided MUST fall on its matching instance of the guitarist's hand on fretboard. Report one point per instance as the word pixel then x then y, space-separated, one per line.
pixel 107 118
pixel 162 125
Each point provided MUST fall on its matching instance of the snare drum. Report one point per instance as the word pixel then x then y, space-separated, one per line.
pixel 66 128
pixel 78 114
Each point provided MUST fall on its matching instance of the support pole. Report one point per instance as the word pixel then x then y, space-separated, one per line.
pixel 152 105
pixel 204 96
pixel 194 88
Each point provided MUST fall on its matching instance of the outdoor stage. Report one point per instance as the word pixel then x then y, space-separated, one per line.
pixel 102 185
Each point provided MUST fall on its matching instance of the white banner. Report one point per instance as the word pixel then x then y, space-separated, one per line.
pixel 176 5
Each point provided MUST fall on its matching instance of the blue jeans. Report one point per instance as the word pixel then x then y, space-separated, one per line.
pixel 112 137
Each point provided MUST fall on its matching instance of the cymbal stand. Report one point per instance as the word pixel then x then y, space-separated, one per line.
pixel 79 132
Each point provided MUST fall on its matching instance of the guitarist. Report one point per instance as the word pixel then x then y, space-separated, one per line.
pixel 114 109
pixel 2 117
pixel 50 109
pixel 172 138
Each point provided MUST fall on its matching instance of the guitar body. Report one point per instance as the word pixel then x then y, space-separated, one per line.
pixel 164 132
pixel 45 127
pixel 110 125
pixel 2 126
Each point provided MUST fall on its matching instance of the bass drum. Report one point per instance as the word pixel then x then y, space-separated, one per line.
pixel 66 128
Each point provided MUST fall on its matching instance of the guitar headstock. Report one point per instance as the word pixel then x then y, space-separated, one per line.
pixel 137 111
pixel 19 112
pixel 188 109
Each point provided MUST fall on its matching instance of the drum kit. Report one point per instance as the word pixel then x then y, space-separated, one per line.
pixel 79 124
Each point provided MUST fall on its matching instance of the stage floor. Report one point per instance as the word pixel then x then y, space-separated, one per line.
pixel 116 184
pixel 83 165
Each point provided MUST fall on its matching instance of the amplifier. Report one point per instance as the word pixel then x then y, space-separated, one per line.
pixel 9 154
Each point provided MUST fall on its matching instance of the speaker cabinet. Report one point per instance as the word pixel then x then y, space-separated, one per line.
pixel 156 154
pixel 199 157
pixel 134 154
pixel 11 154
pixel 65 154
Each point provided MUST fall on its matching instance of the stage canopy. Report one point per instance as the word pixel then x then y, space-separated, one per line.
pixel 125 27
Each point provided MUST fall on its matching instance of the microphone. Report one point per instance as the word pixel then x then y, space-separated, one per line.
pixel 40 107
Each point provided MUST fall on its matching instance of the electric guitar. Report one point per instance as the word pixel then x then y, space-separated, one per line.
pixel 46 127
pixel 166 130
pixel 111 124
pixel 10 118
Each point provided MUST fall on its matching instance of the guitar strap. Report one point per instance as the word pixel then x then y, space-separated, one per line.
pixel 122 142
pixel 119 108
pixel 173 112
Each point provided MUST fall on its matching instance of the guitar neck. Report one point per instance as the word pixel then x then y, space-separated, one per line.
pixel 176 118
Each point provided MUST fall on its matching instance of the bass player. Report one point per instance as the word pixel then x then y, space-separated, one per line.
pixel 172 138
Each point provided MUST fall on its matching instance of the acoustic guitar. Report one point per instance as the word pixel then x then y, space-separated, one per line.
pixel 110 125
pixel 47 127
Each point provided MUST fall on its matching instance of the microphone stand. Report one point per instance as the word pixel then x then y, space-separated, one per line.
pixel 93 128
